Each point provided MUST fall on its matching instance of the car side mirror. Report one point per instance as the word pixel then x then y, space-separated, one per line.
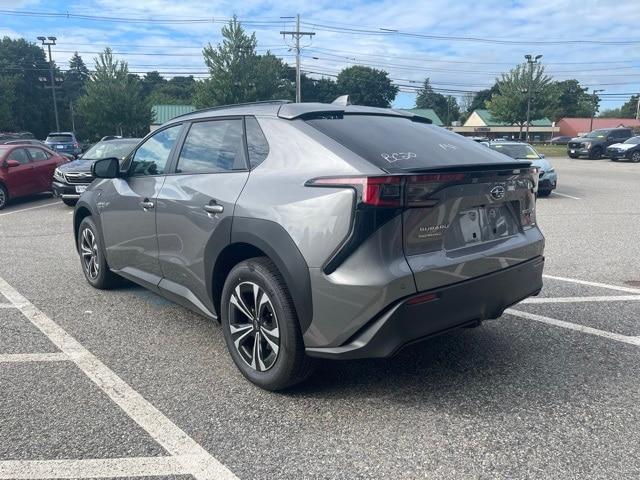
pixel 11 163
pixel 541 155
pixel 106 168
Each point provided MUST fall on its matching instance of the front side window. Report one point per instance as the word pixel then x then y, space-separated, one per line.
pixel 37 154
pixel 213 146
pixel 19 155
pixel 152 156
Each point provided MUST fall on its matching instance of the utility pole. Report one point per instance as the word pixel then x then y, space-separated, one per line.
pixel 48 41
pixel 638 108
pixel 297 35
pixel 530 62
pixel 595 104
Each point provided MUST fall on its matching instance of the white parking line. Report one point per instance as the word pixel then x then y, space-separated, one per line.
pixel 574 326
pixel 30 208
pixel 92 468
pixel 595 284
pixel 34 357
pixel 191 456
pixel 7 305
pixel 615 298
pixel 565 195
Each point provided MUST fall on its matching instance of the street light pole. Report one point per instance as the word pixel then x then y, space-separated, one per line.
pixel 48 41
pixel 593 112
pixel 530 61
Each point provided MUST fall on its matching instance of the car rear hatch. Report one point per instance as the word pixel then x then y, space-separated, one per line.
pixel 465 209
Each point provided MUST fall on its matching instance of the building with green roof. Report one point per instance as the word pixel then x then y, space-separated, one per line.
pixel 482 123
pixel 164 113
pixel 426 113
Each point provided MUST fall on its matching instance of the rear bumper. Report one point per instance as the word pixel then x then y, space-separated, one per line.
pixel 458 305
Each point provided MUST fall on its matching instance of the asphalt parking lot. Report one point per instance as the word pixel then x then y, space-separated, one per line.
pixel 124 384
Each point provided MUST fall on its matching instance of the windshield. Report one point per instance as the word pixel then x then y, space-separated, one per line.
pixel 633 140
pixel 515 150
pixel 59 138
pixel 597 134
pixel 109 149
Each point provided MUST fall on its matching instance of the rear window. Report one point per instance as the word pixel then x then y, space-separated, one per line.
pixel 516 150
pixel 59 138
pixel 397 144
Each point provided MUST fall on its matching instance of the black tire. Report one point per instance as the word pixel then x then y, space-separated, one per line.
pixel 595 153
pixel 69 203
pixel 613 159
pixel 573 156
pixel 635 157
pixel 544 193
pixel 284 365
pixel 4 196
pixel 92 257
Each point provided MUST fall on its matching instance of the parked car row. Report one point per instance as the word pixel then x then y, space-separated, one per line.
pixel 28 167
pixel 615 143
pixel 72 179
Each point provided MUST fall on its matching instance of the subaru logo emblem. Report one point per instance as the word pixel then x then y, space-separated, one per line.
pixel 497 192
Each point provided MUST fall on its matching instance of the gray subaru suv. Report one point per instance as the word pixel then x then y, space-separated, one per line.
pixel 315 230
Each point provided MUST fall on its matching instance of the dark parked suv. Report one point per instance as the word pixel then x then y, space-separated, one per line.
pixel 315 230
pixel 594 144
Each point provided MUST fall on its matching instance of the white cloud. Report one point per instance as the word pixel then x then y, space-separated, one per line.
pixel 408 59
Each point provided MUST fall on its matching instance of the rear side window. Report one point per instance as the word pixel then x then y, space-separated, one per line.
pixel 38 155
pixel 256 142
pixel 397 144
pixel 213 146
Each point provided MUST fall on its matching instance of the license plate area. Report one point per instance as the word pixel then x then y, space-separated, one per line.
pixel 81 188
pixel 60 147
pixel 480 224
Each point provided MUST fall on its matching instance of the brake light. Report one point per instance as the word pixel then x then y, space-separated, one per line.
pixel 384 191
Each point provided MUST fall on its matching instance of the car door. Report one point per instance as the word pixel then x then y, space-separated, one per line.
pixel 43 166
pixel 196 204
pixel 127 208
pixel 20 179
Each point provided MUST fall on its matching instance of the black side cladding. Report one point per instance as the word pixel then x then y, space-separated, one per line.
pixel 274 241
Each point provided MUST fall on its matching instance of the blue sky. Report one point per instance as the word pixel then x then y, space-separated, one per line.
pixel 456 65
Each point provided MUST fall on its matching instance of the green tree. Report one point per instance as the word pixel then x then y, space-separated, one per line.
pixel 150 82
pixel 629 109
pixel 481 98
pixel 514 88
pixel 323 90
pixel 113 101
pixel 176 91
pixel 26 105
pixel 611 113
pixel 367 86
pixel 568 99
pixel 446 107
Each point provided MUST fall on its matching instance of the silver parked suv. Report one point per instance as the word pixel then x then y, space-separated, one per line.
pixel 315 230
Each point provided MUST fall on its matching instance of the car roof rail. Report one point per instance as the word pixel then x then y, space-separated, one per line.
pixel 234 105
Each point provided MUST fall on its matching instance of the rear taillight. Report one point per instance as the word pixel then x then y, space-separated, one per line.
pixel 385 191
pixel 389 190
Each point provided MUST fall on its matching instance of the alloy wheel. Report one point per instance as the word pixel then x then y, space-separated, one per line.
pixel 635 157
pixel 3 198
pixel 254 326
pixel 89 252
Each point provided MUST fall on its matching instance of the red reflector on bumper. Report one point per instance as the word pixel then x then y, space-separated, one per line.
pixel 424 298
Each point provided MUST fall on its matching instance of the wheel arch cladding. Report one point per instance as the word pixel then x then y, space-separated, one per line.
pixel 251 237
pixel 81 213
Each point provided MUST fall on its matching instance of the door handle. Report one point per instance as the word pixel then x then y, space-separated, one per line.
pixel 147 205
pixel 213 208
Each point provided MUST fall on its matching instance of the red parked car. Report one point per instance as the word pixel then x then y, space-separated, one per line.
pixel 25 170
